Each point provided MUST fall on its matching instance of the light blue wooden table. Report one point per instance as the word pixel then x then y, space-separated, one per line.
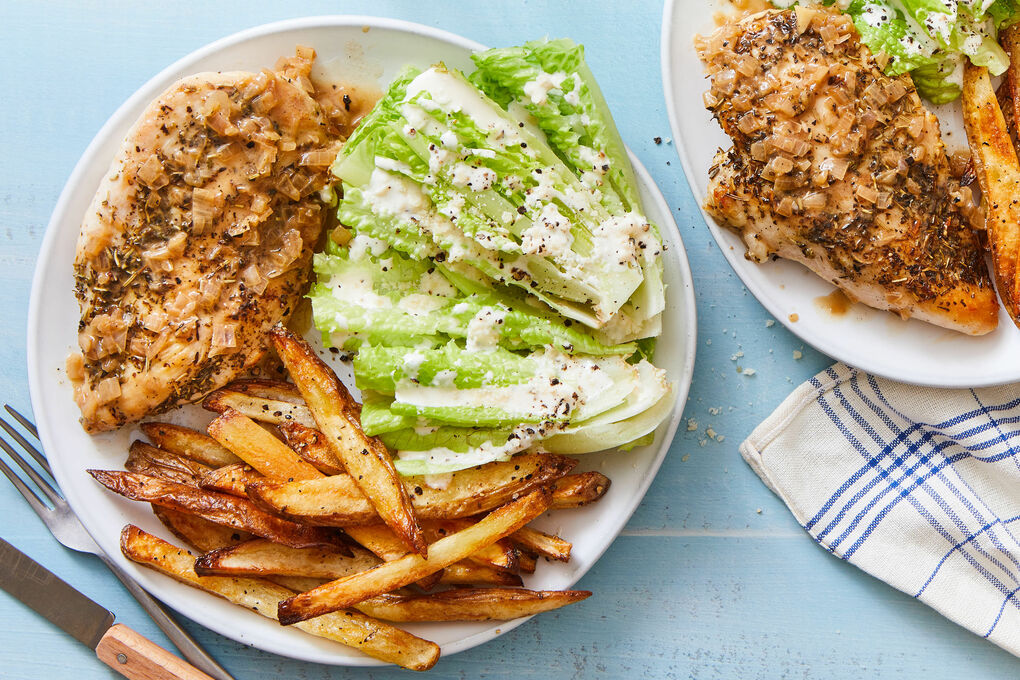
pixel 712 578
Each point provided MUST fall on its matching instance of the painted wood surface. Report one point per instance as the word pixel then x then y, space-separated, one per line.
pixel 712 578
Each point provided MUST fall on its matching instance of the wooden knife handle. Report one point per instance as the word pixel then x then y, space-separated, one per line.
pixel 138 658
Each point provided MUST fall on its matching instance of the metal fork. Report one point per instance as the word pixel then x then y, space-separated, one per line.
pixel 68 529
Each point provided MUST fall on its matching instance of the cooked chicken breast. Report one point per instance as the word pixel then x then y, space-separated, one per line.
pixel 199 240
pixel 840 167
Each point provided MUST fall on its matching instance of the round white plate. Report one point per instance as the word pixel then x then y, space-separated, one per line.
pixel 350 52
pixel 875 341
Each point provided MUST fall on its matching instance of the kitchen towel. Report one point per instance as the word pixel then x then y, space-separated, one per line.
pixel 917 486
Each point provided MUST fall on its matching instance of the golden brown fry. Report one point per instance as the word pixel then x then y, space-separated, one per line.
pixel 267 389
pixel 526 563
pixel 1009 37
pixel 470 573
pixel 230 511
pixel 260 557
pixel 573 491
pixel 998 173
pixel 199 533
pixel 189 443
pixel 149 460
pixel 232 479
pixel 380 540
pixel 298 584
pixel 365 458
pixel 312 447
pixel 258 408
pixel 502 554
pixel 474 604
pixel 356 630
pixel 345 592
pixel 264 452
pixel 337 500
pixel 546 545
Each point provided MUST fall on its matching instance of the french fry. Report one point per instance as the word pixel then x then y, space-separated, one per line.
pixel 502 554
pixel 256 447
pixel 199 533
pixel 231 511
pixel 1009 37
pixel 475 604
pixel 231 479
pixel 337 501
pixel 258 408
pixel 526 563
pixel 365 458
pixel 298 584
pixel 312 447
pixel 573 491
pixel 277 390
pixel 998 173
pixel 149 460
pixel 373 637
pixel 189 443
pixel 466 572
pixel 345 592
pixel 546 545
pixel 381 542
pixel 260 557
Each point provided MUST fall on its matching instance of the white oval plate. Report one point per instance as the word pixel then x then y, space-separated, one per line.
pixel 374 55
pixel 875 341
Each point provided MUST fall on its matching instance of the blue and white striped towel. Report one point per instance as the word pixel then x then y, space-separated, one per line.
pixel 919 487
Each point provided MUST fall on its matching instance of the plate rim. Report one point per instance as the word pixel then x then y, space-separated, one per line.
pixel 735 259
pixel 685 300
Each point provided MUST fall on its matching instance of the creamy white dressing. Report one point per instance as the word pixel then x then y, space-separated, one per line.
pixel 362 245
pixel 420 304
pixel 538 89
pixel 412 362
pixel 549 234
pixel 476 178
pixel 483 331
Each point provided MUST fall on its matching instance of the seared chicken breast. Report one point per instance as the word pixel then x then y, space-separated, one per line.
pixel 199 240
pixel 840 167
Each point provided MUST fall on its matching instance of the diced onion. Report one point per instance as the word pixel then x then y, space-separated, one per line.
pixel 107 390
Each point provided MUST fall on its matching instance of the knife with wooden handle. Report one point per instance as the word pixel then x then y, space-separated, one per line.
pixel 116 645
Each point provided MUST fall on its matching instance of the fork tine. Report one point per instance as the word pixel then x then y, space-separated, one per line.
pixel 43 485
pixel 32 451
pixel 25 422
pixel 25 491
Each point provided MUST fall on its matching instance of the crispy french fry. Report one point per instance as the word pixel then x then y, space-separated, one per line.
pixel 466 572
pixel 502 554
pixel 312 447
pixel 1009 37
pixel 231 511
pixel 149 460
pixel 356 630
pixel 998 173
pixel 573 491
pixel 526 563
pixel 189 443
pixel 345 592
pixel 232 479
pixel 475 604
pixel 337 501
pixel 260 557
pixel 256 447
pixel 298 584
pixel 380 541
pixel 199 533
pixel 258 408
pixel 267 389
pixel 546 545
pixel 365 458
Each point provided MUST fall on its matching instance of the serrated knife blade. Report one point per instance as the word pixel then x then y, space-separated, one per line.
pixel 116 645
